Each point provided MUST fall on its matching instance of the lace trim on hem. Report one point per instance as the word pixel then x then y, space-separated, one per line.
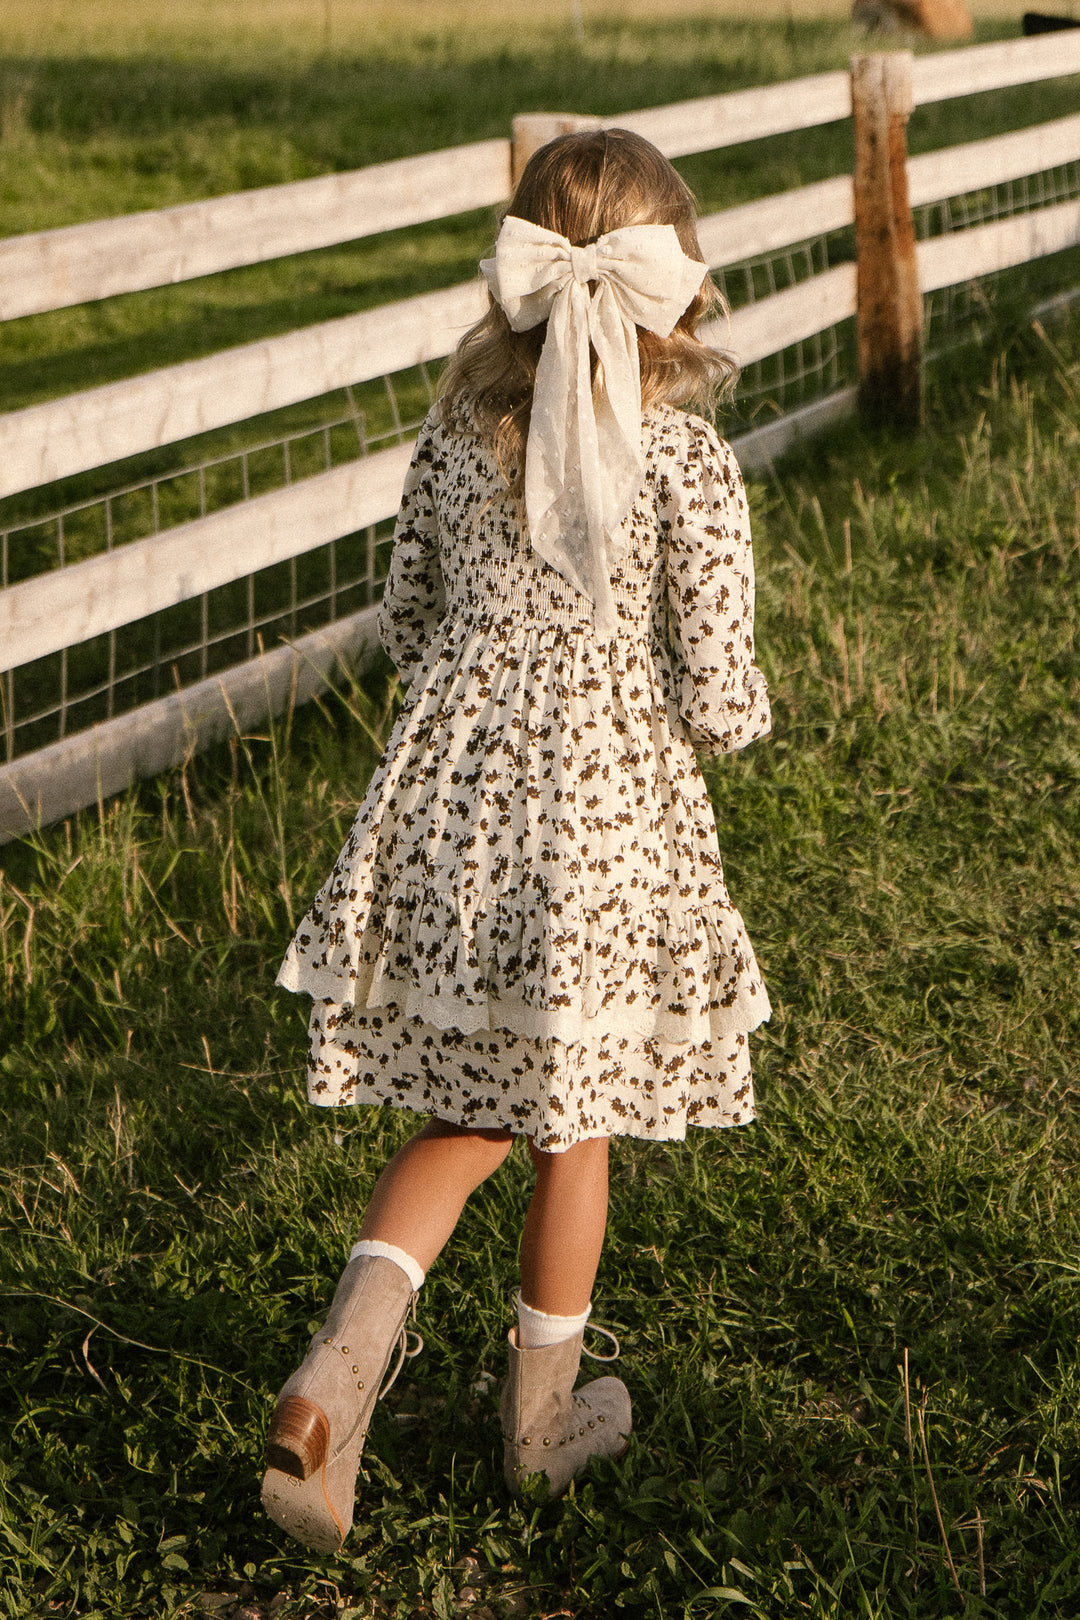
pixel 570 1026
pixel 516 962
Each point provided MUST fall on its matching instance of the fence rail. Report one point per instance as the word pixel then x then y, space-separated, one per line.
pixel 70 605
pixel 53 269
pixel 87 768
pixel 63 609
pixel 1001 244
pixel 979 164
pixel 100 425
pixel 994 67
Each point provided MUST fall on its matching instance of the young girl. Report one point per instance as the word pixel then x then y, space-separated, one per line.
pixel 527 932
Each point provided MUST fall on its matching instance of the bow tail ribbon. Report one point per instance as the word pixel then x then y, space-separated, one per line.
pixel 564 479
pixel 584 461
pixel 616 407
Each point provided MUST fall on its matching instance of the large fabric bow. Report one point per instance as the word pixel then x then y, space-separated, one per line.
pixel 584 461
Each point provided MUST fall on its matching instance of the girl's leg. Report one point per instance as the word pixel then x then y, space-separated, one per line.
pixel 423 1189
pixel 318 1429
pixel 564 1228
pixel 550 1427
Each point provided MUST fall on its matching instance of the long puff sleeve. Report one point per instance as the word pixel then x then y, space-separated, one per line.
pixel 414 596
pixel 710 572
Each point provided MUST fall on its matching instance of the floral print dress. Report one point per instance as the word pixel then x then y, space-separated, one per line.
pixel 528 926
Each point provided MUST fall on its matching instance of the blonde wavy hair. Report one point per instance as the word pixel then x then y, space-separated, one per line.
pixel 584 185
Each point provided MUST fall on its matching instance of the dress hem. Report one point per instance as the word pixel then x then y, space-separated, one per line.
pixel 546 1144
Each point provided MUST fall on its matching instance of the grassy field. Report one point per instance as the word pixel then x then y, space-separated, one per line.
pixel 80 140
pixel 292 25
pixel 850 1332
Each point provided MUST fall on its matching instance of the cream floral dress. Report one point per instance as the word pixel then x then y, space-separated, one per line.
pixel 528 926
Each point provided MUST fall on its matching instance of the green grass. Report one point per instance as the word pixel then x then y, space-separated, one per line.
pixel 904 849
pixel 905 852
pixel 82 140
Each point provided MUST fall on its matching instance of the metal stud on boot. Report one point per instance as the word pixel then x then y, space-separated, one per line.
pixel 321 1420
pixel 551 1428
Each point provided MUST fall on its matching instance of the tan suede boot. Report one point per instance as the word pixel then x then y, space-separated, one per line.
pixel 548 1428
pixel 319 1425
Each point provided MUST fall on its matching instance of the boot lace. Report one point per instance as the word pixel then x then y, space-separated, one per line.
pixel 594 1327
pixel 406 1352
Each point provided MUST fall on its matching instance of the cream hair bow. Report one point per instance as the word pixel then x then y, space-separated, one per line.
pixel 584 461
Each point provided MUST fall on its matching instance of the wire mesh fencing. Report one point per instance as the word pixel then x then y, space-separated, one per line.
pixel 65 692
pixel 805 371
pixel 978 311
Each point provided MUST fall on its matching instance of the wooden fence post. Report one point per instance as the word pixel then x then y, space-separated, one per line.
pixel 531 131
pixel 889 318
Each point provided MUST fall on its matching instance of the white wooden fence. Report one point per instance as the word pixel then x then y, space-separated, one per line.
pixel 48 270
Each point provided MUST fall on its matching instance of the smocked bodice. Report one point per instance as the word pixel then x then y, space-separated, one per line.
pixel 683 573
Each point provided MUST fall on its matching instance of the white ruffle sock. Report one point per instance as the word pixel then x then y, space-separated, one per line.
pixel 538 1328
pixel 390 1251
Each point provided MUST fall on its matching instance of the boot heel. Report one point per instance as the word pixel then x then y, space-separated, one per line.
pixel 299 1438
pixel 317 1430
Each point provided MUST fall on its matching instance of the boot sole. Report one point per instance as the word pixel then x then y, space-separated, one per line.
pixel 299 1439
pixel 303 1510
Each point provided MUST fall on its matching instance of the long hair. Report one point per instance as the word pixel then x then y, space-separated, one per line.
pixel 582 186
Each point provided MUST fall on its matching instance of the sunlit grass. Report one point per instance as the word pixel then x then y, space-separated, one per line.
pixel 80 141
pixel 290 25
pixel 893 1245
